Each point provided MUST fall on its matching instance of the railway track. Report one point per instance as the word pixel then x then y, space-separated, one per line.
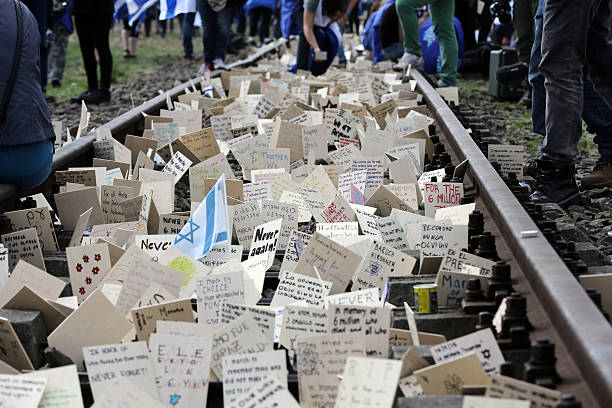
pixel 557 306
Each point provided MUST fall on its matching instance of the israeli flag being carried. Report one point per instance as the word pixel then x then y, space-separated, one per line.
pixel 172 8
pixel 208 226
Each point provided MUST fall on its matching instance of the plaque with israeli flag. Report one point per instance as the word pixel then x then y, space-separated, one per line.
pixel 209 225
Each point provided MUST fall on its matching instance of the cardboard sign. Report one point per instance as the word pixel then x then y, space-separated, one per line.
pixel 380 262
pixel 268 393
pixel 374 167
pixel 242 372
pixel 450 377
pixel 23 245
pixel 272 210
pixel 202 143
pixel 338 229
pixel 470 401
pixel 371 321
pixel 27 299
pixel 214 289
pixel 87 266
pixel 441 195
pixel 182 368
pixel 451 287
pixel 38 218
pixel 264 317
pixel 375 389
pixel 454 261
pixel 246 217
pixel 21 391
pixel 300 321
pixel 392 233
pixel 265 239
pixel 221 254
pixel 289 135
pixel 500 386
pixel 110 362
pixel 366 297
pixel 294 287
pixel 334 263
pixel 141 273
pixel 124 393
pixel 296 245
pixel 24 274
pixel 509 157
pixel 436 239
pixel 146 318
pixel 62 389
pixel 482 342
pixel 295 198
pixel 92 328
pixel 239 337
pixel 321 360
pixel 177 166
pixel 11 350
pixel 172 224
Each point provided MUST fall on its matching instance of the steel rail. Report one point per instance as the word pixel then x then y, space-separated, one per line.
pixel 581 326
pixel 10 193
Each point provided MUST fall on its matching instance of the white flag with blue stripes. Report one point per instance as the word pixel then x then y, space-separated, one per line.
pixel 172 8
pixel 208 226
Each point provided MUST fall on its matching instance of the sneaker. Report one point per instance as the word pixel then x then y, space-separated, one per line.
pixel 442 84
pixel 79 98
pixel 408 59
pixel 531 169
pixel 601 175
pixel 219 64
pixel 556 184
pixel 97 97
pixel 205 67
pixel 187 56
pixel 56 83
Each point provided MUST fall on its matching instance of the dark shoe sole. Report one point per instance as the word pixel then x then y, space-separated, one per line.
pixel 588 186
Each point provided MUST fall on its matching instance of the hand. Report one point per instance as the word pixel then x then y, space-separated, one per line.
pixel 342 20
pixel 49 38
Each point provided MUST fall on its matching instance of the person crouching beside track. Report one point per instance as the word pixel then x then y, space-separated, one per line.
pixel 26 132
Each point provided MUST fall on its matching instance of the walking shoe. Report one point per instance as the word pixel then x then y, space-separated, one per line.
pixel 556 184
pixel 601 175
pixel 442 84
pixel 205 67
pixel 408 59
pixel 531 169
pixel 55 83
pixel 79 98
pixel 219 64
pixel 97 97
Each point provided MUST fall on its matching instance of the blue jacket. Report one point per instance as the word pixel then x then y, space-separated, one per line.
pixel 370 36
pixel 431 47
pixel 269 4
pixel 66 20
pixel 27 115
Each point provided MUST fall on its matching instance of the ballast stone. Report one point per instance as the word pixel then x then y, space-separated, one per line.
pixel 31 331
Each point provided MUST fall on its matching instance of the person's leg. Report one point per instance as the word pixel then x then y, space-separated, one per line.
pixel 188 19
pixel 253 21
pixel 264 24
pixel 222 35
pixel 57 54
pixel 209 26
pixel 302 58
pixel 85 31
pixel 536 80
pixel 26 165
pixel 599 51
pixel 133 40
pixel 406 11
pixel 563 54
pixel 102 23
pixel 464 11
pixel 524 25
pixel 442 12
pixel 341 54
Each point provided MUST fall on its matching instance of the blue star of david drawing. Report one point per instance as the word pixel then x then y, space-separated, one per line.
pixel 174 399
pixel 193 227
pixel 373 269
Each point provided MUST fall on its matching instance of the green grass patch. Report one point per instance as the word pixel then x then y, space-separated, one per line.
pixel 151 52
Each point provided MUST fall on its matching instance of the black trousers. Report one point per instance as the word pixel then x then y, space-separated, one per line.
pixel 259 22
pixel 574 42
pixel 93 32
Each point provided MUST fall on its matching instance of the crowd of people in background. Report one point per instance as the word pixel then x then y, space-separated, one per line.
pixel 565 43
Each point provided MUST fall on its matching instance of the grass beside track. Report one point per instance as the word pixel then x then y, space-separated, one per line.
pixel 151 53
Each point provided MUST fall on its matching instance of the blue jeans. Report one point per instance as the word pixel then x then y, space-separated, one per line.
pixel 215 31
pixel 26 165
pixel 595 112
pixel 188 33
